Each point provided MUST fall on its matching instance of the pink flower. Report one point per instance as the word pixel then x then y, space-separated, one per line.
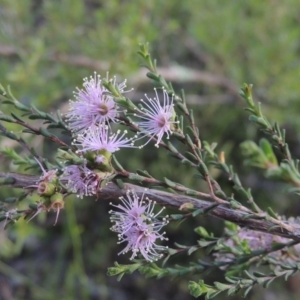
pixel 142 239
pixel 93 105
pixel 80 180
pixel 138 226
pixel 100 139
pixel 158 118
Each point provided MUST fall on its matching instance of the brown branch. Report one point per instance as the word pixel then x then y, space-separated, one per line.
pixel 173 73
pixel 111 192
pixel 6 50
pixel 74 60
pixel 79 61
pixel 17 180
pixel 182 74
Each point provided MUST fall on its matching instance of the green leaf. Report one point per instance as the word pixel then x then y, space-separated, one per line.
pixel 249 275
pixel 122 269
pixel 197 289
pixel 192 249
pixel 135 177
pixel 210 208
pixel 10 200
pixel 16 117
pixel 272 213
pixel 202 232
pixel 258 274
pixel 289 274
pixel 6 118
pixel 152 76
pixel 118 166
pixel 170 183
pixel 232 290
pixel 45 132
pixel 221 286
pixel 258 120
pixel 268 282
pixel 211 294
pixel 197 212
pixel 21 106
pixel 268 151
pixel 247 291
pixel 151 270
pixel 176 217
pixel 120 183
pixel 144 173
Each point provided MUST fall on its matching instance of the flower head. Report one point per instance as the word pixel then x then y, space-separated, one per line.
pixel 158 118
pixel 80 180
pixel 100 139
pixel 93 105
pixel 139 227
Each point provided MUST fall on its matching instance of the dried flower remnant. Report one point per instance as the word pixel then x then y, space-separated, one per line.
pixel 46 185
pixel 158 118
pixel 94 105
pixel 80 180
pixel 57 203
pixel 138 226
pixel 40 207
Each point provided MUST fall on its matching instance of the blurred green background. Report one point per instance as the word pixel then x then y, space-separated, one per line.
pixel 209 48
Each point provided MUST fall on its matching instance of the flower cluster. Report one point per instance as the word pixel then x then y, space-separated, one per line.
pixel 89 119
pixel 138 226
pixel 94 108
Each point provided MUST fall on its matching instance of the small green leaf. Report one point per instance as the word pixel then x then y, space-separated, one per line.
pixel 170 183
pixel 176 217
pixel 152 76
pixel 197 289
pixel 118 166
pixel 202 231
pixel 268 151
pixel 197 212
pixel 221 286
pixel 6 118
pixel 232 290
pixel 120 183
pixel 268 282
pixel 192 249
pixel 11 200
pixel 33 206
pixel 247 291
pixel 45 132
pixel 144 173
pixel 136 177
pixel 272 213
